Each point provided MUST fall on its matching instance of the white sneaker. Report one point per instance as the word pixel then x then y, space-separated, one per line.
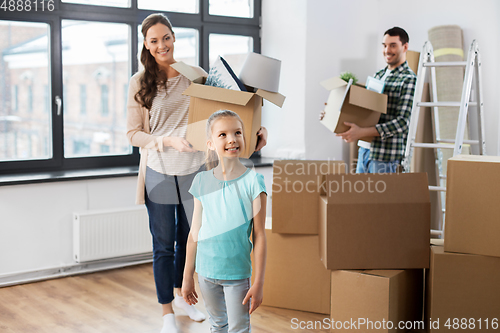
pixel 191 310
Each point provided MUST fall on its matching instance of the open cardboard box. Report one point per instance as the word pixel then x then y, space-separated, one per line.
pixel 372 221
pixel 205 100
pixel 351 103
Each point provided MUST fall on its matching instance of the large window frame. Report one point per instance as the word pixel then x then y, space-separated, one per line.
pixel 202 21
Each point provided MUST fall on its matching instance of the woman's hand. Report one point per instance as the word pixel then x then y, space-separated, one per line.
pixel 188 292
pixel 178 143
pixel 261 138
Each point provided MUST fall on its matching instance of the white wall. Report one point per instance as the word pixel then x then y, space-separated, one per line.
pixel 346 35
pixel 283 37
pixel 36 230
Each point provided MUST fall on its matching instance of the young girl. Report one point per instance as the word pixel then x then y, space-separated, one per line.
pixel 230 203
pixel 157 117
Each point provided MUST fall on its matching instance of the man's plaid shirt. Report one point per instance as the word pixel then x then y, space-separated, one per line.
pixel 393 126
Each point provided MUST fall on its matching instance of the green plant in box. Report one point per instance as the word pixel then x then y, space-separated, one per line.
pixel 346 76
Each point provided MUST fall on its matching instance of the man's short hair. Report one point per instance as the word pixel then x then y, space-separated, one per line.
pixel 397 31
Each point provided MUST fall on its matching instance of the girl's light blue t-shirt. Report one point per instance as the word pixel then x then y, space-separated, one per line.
pixel 224 245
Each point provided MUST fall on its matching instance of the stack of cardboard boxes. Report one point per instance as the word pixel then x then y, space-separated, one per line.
pixel 462 285
pixel 348 246
pixel 295 276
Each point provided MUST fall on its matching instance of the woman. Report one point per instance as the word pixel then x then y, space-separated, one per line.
pixel 157 114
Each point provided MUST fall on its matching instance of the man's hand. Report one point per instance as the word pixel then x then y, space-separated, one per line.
pixel 355 132
pixel 322 114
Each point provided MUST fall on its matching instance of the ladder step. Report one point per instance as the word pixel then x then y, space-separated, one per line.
pixel 433 145
pixel 437 188
pixel 467 142
pixel 446 64
pixel 436 232
pixel 443 104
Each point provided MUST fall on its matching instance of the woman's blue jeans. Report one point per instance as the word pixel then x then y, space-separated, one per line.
pixel 170 209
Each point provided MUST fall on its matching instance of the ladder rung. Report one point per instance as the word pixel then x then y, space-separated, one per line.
pixel 467 142
pixel 436 232
pixel 433 145
pixel 443 104
pixel 445 64
pixel 437 188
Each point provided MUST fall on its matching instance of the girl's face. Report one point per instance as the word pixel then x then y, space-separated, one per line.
pixel 227 137
pixel 160 43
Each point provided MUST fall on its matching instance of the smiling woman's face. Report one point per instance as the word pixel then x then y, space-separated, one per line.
pixel 160 43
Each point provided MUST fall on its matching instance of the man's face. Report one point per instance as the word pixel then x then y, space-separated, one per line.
pixel 394 51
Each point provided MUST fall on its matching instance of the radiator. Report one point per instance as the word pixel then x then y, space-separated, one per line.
pixel 108 234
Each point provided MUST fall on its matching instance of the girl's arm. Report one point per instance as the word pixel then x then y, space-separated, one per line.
pixel 188 290
pixel 256 292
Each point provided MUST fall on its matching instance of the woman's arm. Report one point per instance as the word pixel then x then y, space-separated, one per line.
pixel 262 138
pixel 256 292
pixel 135 119
pixel 135 125
pixel 188 290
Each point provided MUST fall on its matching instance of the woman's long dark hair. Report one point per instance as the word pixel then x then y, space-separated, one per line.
pixel 152 75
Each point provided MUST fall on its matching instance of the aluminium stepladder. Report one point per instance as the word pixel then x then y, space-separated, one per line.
pixel 472 70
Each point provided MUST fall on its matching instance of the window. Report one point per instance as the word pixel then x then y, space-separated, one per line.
pixel 83 99
pixel 83 53
pixel 232 48
pixel 183 6
pixel 238 8
pixel 24 64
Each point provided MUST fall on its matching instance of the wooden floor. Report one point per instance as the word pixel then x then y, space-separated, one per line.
pixel 121 300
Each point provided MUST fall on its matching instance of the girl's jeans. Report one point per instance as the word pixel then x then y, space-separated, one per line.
pixel 223 300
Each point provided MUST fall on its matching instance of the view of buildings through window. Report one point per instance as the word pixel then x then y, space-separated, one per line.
pixel 96 68
pixel 25 123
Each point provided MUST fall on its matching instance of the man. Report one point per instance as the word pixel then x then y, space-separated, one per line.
pixel 385 152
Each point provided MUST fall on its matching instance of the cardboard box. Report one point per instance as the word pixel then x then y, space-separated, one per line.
pixel 351 103
pixel 462 286
pixel 295 278
pixel 413 58
pixel 295 197
pixel 372 298
pixel 372 221
pixel 472 205
pixel 205 100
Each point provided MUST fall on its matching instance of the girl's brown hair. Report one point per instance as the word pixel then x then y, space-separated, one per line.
pixel 152 75
pixel 211 158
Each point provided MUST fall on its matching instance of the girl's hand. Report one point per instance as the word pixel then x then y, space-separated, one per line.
pixel 178 143
pixel 188 292
pixel 256 293
pixel 262 138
